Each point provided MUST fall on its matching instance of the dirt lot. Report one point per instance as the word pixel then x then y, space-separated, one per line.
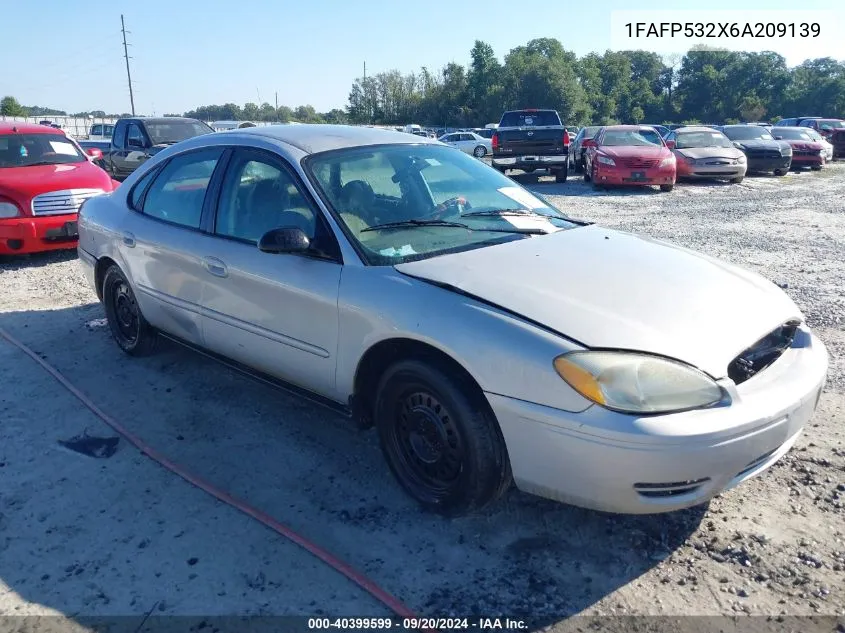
pixel 119 536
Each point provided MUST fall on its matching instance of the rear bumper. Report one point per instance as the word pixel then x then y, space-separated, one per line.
pixel 531 162
pixel 19 236
pixel 606 175
pixel 769 164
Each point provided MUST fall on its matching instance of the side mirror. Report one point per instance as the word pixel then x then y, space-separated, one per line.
pixel 95 153
pixel 588 142
pixel 286 239
pixel 670 144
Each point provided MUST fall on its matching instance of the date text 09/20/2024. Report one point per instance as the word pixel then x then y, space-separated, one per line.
pixel 723 29
pixel 418 624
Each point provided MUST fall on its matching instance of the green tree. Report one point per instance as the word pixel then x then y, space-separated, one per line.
pixel 9 106
pixel 637 114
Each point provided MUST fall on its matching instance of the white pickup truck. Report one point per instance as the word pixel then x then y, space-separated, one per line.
pixel 101 132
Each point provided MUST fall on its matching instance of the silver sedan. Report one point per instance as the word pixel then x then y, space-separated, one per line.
pixel 489 338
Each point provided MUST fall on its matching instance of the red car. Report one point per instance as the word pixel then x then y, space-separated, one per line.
pixel 805 151
pixel 44 179
pixel 629 155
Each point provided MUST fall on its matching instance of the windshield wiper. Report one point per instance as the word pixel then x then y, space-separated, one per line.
pixel 41 162
pixel 499 212
pixel 417 223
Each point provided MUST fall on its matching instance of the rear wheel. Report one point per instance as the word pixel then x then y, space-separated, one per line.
pixel 128 326
pixel 440 439
pixel 562 174
pixel 480 151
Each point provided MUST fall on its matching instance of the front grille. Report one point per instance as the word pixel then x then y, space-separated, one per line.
pixel 638 163
pixel 672 489
pixel 62 202
pixel 763 353
pixel 804 152
pixel 764 153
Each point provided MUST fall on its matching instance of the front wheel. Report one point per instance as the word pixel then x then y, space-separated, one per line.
pixel 128 326
pixel 816 167
pixel 440 439
pixel 666 187
pixel 480 151
pixel 737 180
pixel 780 172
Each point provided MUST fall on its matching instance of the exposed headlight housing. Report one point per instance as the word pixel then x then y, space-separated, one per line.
pixel 9 210
pixel 637 383
pixel 606 160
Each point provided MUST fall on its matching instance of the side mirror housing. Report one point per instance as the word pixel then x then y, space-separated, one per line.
pixel 286 239
pixel 95 153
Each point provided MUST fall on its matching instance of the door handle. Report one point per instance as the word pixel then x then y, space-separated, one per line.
pixel 129 239
pixel 215 266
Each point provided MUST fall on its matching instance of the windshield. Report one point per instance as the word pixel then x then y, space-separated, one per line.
pixel 793 134
pixel 644 137
pixel 23 150
pixel 538 118
pixel 174 131
pixel 829 124
pixel 748 133
pixel 818 138
pixel 711 138
pixel 373 188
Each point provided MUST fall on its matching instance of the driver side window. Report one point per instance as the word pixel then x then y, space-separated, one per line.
pixel 258 195
pixel 134 136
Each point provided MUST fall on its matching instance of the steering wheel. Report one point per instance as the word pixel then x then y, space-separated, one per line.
pixel 445 208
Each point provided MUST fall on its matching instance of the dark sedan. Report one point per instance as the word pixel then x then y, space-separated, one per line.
pixel 577 149
pixel 761 149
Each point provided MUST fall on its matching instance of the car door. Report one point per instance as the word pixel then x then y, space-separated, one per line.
pixel 467 143
pixel 450 139
pixel 162 244
pixel 273 312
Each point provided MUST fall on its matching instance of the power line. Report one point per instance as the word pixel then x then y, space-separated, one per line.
pixel 126 56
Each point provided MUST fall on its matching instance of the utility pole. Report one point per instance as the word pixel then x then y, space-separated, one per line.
pixel 126 56
pixel 277 101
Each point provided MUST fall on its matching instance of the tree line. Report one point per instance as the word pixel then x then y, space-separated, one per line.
pixel 705 85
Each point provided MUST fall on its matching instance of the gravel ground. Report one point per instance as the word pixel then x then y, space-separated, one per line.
pixel 120 536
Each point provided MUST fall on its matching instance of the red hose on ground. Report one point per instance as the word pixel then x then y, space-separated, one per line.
pixel 359 579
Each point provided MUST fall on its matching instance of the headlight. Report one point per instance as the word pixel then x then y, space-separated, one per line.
pixel 606 160
pixel 9 210
pixel 632 382
pixel 666 162
pixel 786 151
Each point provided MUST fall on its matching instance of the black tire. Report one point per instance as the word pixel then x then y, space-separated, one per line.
pixel 562 174
pixel 587 175
pixel 737 180
pixel 480 151
pixel 440 439
pixel 816 167
pixel 780 172
pixel 130 330
pixel 666 187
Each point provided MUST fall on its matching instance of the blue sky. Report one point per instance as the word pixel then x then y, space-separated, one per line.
pixel 188 54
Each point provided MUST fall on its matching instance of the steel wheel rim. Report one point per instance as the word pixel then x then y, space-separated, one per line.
pixel 426 444
pixel 125 312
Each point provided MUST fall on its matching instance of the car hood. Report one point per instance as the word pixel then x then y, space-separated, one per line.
pixel 633 151
pixel 762 144
pixel 709 152
pixel 805 145
pixel 608 289
pixel 25 182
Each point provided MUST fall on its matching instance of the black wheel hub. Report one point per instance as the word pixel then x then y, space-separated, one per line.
pixel 427 443
pixel 125 311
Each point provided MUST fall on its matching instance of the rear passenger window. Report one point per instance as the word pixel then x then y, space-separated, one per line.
pixel 178 192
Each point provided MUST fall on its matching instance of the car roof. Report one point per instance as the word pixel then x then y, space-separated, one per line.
pixel 10 127
pixel 161 119
pixel 695 128
pixel 627 127
pixel 312 138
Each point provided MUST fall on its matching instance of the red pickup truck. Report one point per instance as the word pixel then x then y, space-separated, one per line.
pixel 44 179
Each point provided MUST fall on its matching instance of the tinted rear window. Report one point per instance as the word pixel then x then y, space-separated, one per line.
pixel 538 118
